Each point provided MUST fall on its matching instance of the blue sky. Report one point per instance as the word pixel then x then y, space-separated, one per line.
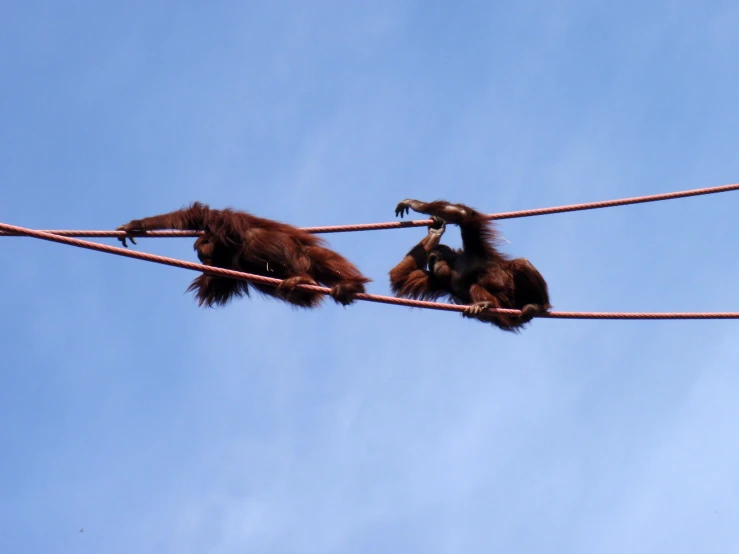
pixel 158 426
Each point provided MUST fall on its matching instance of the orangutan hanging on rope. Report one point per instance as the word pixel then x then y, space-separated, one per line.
pixel 243 242
pixel 477 275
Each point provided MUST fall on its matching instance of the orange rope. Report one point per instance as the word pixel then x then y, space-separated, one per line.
pixel 20 231
pixel 424 222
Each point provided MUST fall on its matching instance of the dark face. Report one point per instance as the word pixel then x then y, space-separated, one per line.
pixel 441 261
pixel 211 251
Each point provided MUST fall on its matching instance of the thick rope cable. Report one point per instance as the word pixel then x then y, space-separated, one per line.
pixel 21 231
pixel 421 222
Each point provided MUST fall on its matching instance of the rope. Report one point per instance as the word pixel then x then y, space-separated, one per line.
pixel 21 231
pixel 423 222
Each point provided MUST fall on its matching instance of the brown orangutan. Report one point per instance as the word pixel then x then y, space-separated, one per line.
pixel 477 274
pixel 242 242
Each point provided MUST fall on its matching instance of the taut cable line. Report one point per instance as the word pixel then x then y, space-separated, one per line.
pixel 21 231
pixel 420 222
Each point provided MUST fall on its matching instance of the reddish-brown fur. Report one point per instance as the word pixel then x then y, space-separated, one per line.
pixel 243 242
pixel 477 274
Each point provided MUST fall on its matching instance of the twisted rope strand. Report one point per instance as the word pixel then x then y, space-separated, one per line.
pixel 21 231
pixel 420 222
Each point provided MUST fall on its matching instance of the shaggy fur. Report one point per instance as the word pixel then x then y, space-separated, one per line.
pixel 477 275
pixel 243 242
